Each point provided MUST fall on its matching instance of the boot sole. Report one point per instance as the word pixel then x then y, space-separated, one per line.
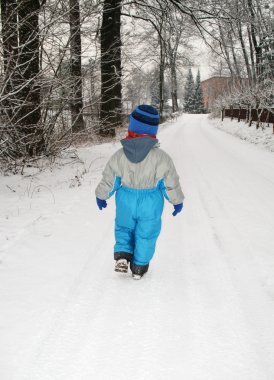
pixel 121 269
pixel 136 277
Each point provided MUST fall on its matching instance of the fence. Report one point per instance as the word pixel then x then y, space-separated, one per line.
pixel 250 115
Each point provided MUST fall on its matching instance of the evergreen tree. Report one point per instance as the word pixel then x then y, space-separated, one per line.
pixel 189 96
pixel 198 99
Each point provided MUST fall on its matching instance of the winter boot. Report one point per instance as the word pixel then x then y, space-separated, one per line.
pixel 138 270
pixel 137 276
pixel 121 266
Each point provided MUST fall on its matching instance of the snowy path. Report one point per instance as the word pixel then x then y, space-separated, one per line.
pixel 205 311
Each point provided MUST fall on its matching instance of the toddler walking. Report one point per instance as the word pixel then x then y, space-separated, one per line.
pixel 141 174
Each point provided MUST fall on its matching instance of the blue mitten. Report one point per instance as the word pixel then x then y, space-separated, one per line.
pixel 177 208
pixel 101 203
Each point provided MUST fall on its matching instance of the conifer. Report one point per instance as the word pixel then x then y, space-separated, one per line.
pixel 199 99
pixel 189 96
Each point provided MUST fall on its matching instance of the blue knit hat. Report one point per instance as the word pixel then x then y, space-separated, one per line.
pixel 144 120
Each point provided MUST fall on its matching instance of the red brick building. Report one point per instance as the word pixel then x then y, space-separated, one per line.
pixel 214 87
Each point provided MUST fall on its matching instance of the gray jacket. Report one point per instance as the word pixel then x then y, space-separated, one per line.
pixel 141 164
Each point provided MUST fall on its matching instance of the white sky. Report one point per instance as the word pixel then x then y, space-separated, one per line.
pixel 202 60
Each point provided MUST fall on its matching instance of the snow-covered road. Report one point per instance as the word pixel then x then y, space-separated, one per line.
pixel 205 310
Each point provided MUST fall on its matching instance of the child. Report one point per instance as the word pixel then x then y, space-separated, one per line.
pixel 141 174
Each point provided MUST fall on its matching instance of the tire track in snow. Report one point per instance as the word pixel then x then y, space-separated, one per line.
pixel 226 234
pixel 71 303
pixel 225 286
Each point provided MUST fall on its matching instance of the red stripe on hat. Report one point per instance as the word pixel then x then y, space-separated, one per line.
pixel 133 135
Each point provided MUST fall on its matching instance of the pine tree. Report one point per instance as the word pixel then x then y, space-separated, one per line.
pixel 189 96
pixel 199 99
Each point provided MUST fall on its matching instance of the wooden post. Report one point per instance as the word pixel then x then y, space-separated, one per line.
pixel 239 115
pixel 258 119
pixel 247 115
pixel 250 116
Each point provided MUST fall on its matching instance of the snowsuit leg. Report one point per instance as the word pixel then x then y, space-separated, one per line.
pixel 138 222
pixel 124 223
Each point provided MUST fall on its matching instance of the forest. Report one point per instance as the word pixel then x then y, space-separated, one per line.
pixel 73 70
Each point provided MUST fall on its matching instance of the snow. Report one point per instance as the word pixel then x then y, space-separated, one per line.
pixel 263 136
pixel 205 309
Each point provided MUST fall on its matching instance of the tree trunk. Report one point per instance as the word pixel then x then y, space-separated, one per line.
pixel 76 104
pixel 162 39
pixel 225 51
pixel 174 95
pixel 161 80
pixel 9 31
pixel 236 65
pixel 249 74
pixel 111 87
pixel 257 47
pixel 10 51
pixel 251 49
pixel 29 113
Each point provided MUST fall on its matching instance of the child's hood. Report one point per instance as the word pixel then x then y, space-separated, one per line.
pixel 138 148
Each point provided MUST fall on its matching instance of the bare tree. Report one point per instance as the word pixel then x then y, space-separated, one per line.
pixel 21 87
pixel 76 101
pixel 29 112
pixel 245 35
pixel 10 51
pixel 156 15
pixel 179 31
pixel 9 33
pixel 51 53
pixel 40 79
pixel 111 87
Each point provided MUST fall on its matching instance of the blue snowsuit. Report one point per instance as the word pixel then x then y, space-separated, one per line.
pixel 138 222
pixel 141 174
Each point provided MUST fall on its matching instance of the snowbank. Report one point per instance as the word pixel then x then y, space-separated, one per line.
pixel 262 137
pixel 27 199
